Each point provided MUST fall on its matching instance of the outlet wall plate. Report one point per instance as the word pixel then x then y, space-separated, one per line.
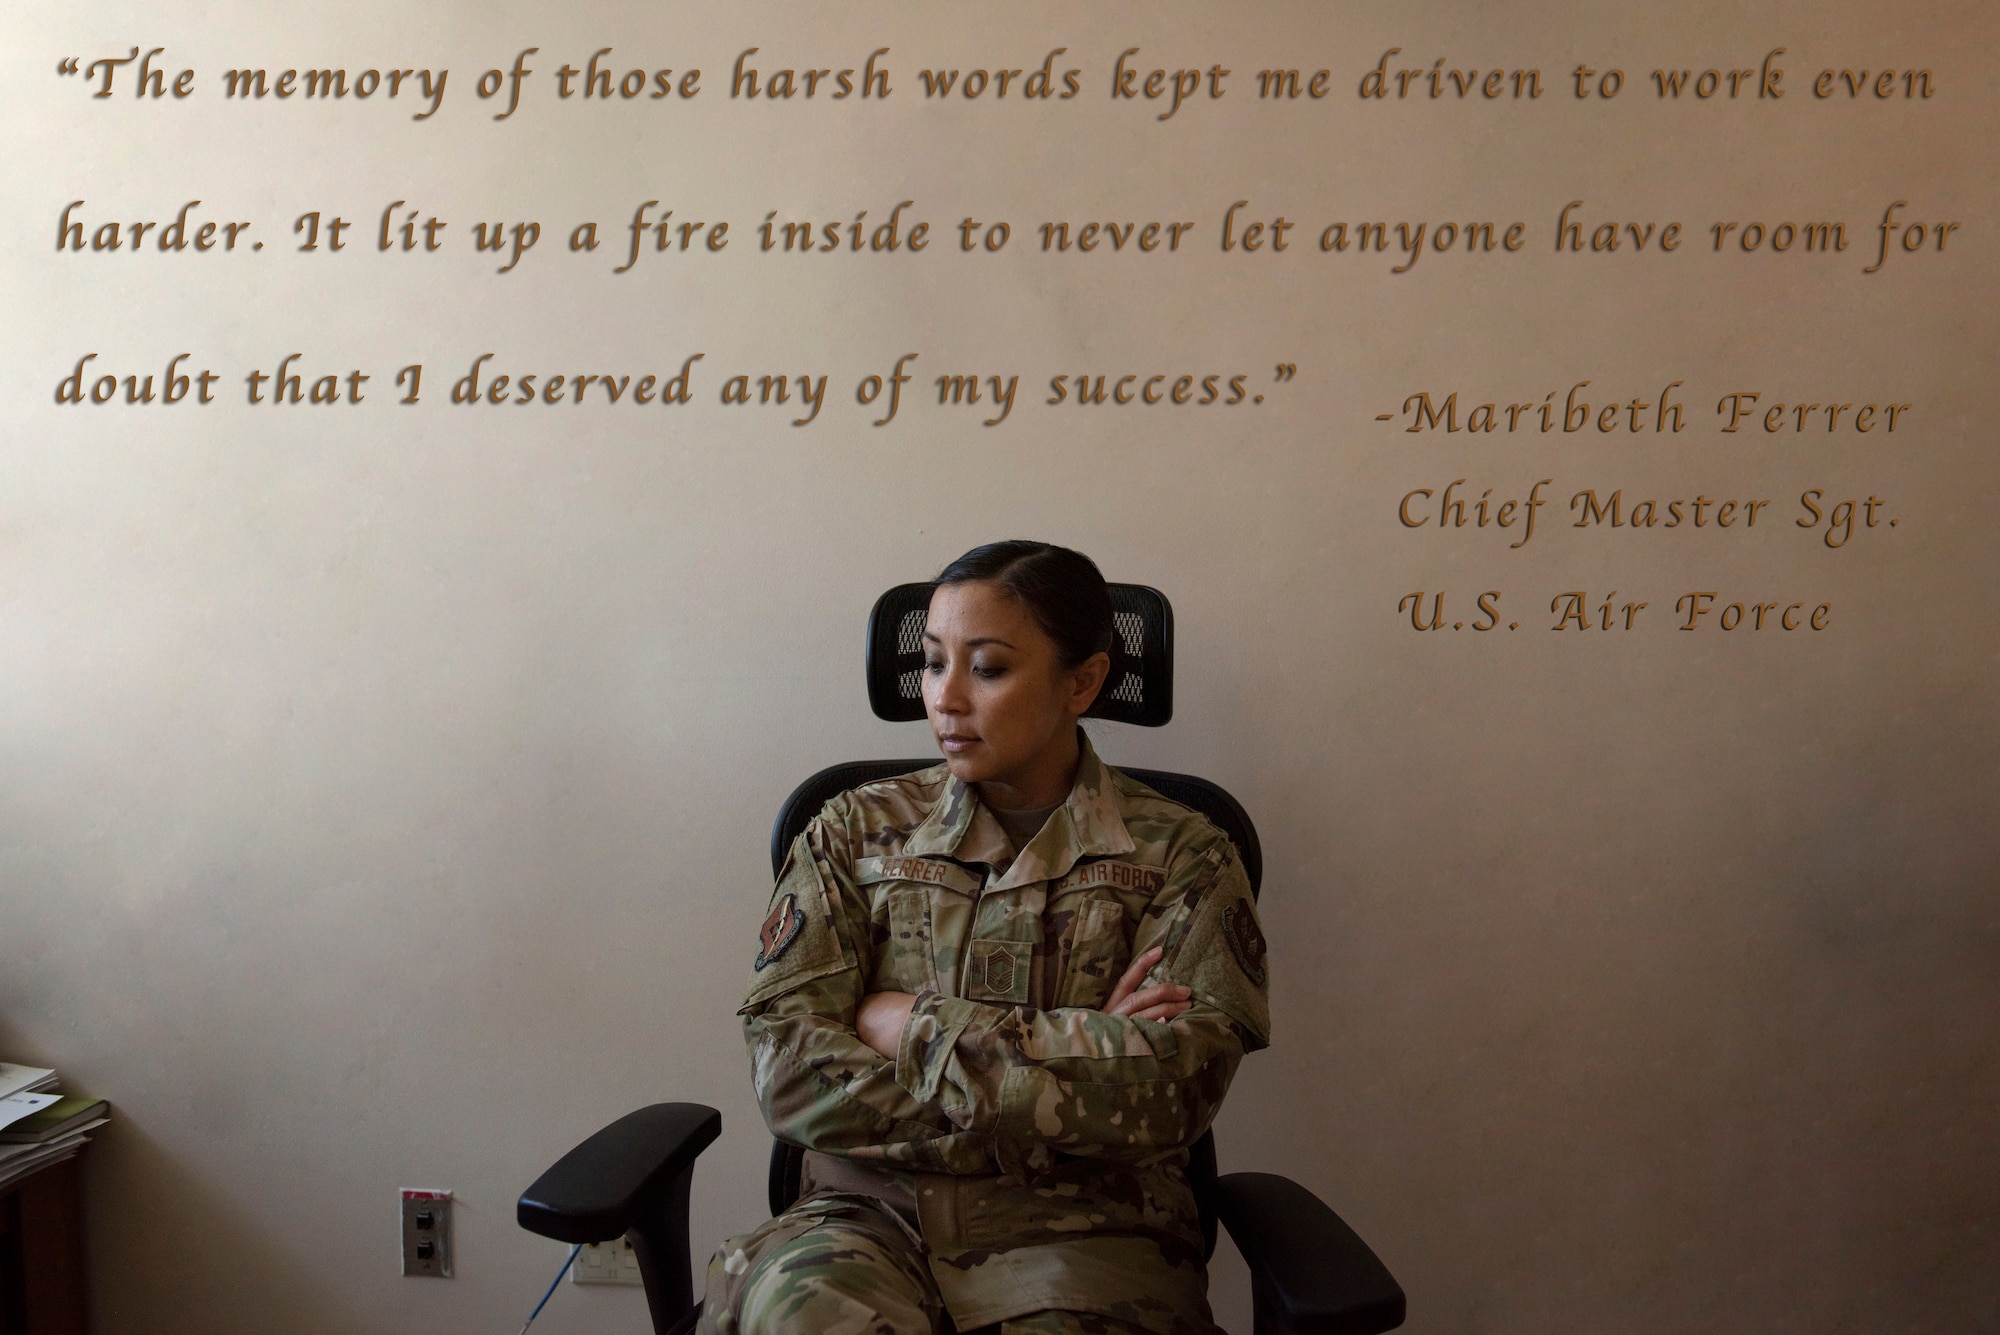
pixel 426 1215
pixel 610 1262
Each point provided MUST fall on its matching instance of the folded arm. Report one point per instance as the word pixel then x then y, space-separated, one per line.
pixel 821 1087
pixel 1144 1077
pixel 882 1015
pixel 958 1086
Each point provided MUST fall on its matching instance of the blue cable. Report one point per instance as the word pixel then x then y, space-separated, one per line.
pixel 567 1262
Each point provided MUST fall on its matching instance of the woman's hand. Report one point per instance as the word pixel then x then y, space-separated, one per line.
pixel 880 1020
pixel 1162 1002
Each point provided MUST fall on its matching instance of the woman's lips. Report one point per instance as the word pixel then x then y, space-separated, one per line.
pixel 954 743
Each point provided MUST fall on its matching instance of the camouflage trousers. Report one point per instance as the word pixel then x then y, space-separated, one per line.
pixel 847 1266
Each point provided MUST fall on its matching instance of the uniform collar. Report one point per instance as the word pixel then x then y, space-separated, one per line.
pixel 1087 824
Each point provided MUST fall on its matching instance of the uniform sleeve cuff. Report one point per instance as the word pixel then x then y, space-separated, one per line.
pixel 929 1034
pixel 1022 1146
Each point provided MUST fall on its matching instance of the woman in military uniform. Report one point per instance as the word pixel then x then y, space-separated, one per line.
pixel 996 1001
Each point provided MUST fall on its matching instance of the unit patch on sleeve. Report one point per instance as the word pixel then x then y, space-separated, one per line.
pixel 1246 940
pixel 782 928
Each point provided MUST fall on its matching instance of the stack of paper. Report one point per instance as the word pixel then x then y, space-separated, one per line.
pixel 29 1079
pixel 38 1126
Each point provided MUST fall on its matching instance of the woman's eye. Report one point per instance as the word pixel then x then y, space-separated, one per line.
pixel 989 672
pixel 933 665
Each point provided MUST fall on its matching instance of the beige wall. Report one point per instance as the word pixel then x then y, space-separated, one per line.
pixel 385 788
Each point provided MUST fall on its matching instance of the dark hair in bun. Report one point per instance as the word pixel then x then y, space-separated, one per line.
pixel 1062 590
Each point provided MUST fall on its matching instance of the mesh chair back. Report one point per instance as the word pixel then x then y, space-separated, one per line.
pixel 1140 688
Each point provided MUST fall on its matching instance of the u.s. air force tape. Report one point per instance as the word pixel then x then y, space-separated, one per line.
pixel 1121 875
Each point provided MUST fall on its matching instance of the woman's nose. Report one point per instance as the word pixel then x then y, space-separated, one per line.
pixel 947 692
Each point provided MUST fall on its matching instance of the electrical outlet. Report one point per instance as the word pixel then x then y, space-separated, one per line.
pixel 610 1262
pixel 427 1233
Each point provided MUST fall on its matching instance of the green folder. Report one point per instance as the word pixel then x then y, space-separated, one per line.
pixel 65 1114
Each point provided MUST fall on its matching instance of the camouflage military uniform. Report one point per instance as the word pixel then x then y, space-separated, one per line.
pixel 1022 1160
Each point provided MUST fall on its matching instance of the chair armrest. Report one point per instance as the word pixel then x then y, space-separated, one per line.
pixel 1310 1274
pixel 611 1182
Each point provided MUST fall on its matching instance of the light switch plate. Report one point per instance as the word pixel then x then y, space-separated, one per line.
pixel 426 1232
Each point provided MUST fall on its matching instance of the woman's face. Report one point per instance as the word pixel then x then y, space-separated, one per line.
pixel 1001 705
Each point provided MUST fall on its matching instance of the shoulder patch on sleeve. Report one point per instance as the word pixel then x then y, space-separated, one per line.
pixel 799 938
pixel 780 929
pixel 1246 940
pixel 1223 956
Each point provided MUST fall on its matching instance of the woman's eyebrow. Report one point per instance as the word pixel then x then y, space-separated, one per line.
pixel 984 639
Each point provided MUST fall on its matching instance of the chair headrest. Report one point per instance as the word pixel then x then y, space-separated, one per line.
pixel 1140 688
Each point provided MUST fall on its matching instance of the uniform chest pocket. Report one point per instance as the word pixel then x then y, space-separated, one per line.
pixel 1095 954
pixel 909 964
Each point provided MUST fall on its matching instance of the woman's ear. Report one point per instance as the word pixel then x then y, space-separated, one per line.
pixel 1085 681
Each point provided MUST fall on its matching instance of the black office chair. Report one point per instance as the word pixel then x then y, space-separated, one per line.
pixel 1310 1273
